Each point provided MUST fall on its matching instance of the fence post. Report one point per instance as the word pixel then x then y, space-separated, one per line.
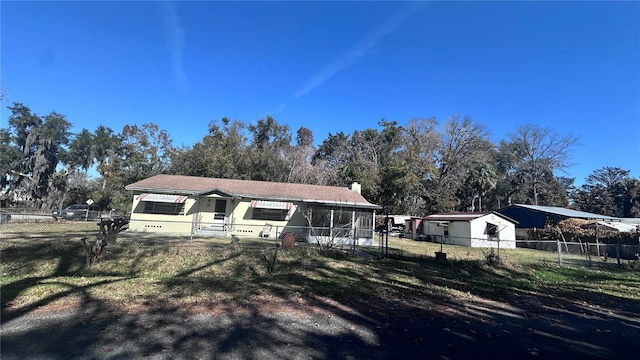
pixel 559 251
pixel 618 252
pixel 355 236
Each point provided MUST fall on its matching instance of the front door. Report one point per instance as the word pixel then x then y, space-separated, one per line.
pixel 219 213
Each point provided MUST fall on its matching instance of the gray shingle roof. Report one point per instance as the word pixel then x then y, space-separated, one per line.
pixel 194 185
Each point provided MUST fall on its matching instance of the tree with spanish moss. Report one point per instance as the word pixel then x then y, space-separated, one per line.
pixel 41 143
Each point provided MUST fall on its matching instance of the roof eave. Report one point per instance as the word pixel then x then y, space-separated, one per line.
pixel 160 190
pixel 343 204
pixel 218 190
pixel 253 196
pixel 504 217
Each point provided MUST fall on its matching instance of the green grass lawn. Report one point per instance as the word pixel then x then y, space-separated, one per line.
pixel 48 268
pixel 521 256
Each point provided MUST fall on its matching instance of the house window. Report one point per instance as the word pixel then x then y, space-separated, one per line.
pixel 163 208
pixel 492 231
pixel 364 220
pixel 270 214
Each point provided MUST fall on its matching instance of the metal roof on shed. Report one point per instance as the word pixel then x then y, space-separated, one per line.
pixel 464 216
pixel 566 212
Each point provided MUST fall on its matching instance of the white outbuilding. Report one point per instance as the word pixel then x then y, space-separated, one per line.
pixel 486 229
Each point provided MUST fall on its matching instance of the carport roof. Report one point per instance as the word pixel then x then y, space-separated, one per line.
pixel 570 213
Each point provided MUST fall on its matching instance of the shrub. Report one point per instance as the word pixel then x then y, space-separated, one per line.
pixel 491 257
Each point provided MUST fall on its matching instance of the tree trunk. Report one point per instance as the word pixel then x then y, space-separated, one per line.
pixel 108 234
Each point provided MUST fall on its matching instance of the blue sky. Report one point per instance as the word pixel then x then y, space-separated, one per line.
pixel 333 66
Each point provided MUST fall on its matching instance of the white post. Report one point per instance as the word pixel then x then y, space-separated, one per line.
pixel 353 225
pixel 559 252
pixel 373 226
pixel 331 225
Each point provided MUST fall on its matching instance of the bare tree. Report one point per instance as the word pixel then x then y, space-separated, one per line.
pixel 298 159
pixel 537 150
pixel 417 155
pixel 464 144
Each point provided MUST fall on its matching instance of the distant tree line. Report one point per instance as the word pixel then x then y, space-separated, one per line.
pixel 419 168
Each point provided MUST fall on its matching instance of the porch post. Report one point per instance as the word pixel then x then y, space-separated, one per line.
pixel 309 232
pixel 353 224
pixel 195 218
pixel 373 225
pixel 331 225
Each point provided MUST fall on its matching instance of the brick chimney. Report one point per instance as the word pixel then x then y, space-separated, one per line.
pixel 356 187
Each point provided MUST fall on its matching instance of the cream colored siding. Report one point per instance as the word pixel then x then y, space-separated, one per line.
pixel 205 209
pixel 245 225
pixel 174 224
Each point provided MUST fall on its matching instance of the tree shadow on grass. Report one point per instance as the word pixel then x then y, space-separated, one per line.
pixel 10 312
pixel 313 308
pixel 489 310
pixel 63 259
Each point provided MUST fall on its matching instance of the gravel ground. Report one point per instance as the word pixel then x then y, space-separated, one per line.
pixel 468 328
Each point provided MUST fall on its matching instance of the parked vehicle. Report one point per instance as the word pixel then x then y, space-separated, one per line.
pixel 78 212
pixel 5 217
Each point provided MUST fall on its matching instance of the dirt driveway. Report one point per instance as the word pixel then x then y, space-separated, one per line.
pixel 325 329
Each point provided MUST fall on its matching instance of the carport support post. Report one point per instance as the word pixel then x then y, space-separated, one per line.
pixel 559 252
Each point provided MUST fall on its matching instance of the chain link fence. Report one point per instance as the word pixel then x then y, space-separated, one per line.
pixel 42 227
pixel 23 226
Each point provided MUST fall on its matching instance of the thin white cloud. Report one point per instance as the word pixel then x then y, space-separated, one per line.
pixel 175 42
pixel 360 50
pixel 278 109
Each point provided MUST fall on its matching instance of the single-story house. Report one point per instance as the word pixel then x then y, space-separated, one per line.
pixel 486 229
pixel 245 208
pixel 535 216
